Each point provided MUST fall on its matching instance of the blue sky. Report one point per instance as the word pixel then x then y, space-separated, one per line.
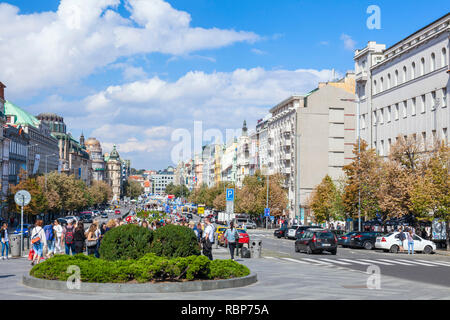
pixel 259 44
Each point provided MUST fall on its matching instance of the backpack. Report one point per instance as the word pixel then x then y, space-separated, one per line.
pixel 49 234
pixel 236 235
pixel 69 235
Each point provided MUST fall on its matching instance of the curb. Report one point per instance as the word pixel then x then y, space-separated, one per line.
pixel 166 287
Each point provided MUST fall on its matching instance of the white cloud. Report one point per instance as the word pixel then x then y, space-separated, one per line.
pixel 349 43
pixel 53 49
pixel 258 52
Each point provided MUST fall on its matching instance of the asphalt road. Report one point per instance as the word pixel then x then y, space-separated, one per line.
pixel 431 268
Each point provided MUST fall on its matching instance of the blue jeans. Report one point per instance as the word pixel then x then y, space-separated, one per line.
pixel 411 246
pixel 50 246
pixel 70 247
pixel 5 246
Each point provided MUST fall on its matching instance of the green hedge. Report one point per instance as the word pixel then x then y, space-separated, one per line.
pixel 149 268
pixel 126 242
pixel 175 241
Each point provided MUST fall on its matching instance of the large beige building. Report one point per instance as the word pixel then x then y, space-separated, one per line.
pixel 94 148
pixel 114 173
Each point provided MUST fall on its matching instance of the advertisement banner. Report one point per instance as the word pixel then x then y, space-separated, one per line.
pixel 37 159
pixel 438 229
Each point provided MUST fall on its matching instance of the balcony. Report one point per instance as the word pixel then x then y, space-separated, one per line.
pixel 287 170
pixel 287 142
pixel 361 76
pixel 287 156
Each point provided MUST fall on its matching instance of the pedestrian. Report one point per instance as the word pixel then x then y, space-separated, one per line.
pixel 110 224
pixel 58 231
pixel 208 239
pixel 5 240
pixel 91 239
pixel 144 224
pixel 50 236
pixel 39 241
pixel 79 238
pixel 401 236
pixel 410 238
pixel 68 238
pixel 232 237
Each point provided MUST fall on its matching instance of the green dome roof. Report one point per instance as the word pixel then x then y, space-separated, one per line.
pixel 114 154
pixel 20 115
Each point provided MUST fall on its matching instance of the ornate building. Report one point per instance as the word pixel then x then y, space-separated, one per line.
pixel 73 157
pixel 94 149
pixel 114 173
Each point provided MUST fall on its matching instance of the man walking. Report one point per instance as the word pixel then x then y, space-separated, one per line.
pixel 401 236
pixel 68 233
pixel 208 239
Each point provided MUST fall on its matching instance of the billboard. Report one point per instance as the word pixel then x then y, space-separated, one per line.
pixel 37 159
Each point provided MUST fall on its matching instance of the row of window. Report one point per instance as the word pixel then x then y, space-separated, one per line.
pixel 18 148
pixel 397 79
pixel 423 136
pixel 393 112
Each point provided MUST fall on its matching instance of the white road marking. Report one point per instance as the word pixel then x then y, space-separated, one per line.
pixel 335 261
pixel 295 260
pixel 356 261
pixel 397 262
pixel 419 263
pixel 317 261
pixel 378 262
pixel 436 262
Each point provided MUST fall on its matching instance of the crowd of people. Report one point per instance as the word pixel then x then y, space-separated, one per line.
pixel 73 238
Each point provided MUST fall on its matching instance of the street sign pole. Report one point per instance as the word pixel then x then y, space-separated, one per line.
pixel 21 226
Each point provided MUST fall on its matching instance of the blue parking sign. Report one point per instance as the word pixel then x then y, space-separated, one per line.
pixel 266 212
pixel 230 194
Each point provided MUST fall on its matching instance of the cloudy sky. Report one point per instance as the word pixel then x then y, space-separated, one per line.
pixel 130 72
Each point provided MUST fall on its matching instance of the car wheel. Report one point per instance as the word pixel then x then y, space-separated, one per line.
pixel 333 252
pixel 296 248
pixel 368 245
pixel 309 250
pixel 394 249
pixel 428 250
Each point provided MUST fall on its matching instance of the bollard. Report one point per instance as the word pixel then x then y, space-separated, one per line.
pixel 14 245
pixel 255 248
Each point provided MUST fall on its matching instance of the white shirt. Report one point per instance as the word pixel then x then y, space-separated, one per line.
pixel 209 232
pixel 59 230
pixel 41 234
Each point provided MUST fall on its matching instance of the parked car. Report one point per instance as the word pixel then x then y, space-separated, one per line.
pixel 26 229
pixel 339 233
pixel 301 229
pixel 73 218
pixel 86 218
pixel 316 240
pixel 281 233
pixel 117 211
pixel 344 240
pixel 96 213
pixel 295 230
pixel 364 240
pixel 189 216
pixel 243 238
pixel 104 215
pixel 62 221
pixel 109 211
pixel 390 242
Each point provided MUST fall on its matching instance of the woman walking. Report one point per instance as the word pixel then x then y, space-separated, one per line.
pixel 5 240
pixel 39 241
pixel 79 237
pixel 409 237
pixel 92 239
pixel 232 235
pixel 58 232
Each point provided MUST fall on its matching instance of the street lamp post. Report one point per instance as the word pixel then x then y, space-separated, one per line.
pixel 359 155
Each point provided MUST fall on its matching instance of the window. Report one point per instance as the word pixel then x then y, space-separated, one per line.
pixel 382 148
pixel 444 135
pixel 388 114
pixel 374 86
pixel 433 100
pixel 381 84
pixel 432 62
pixel 381 116
pixel 396 78
pixel 444 97
pixel 404 106
pixel 389 146
pixel 422 66
pixel 396 111
pixel 413 70
pixel 422 104
pixel 404 74
pixel 388 86
pixel 374 118
pixel 413 106
pixel 424 140
pixel 443 57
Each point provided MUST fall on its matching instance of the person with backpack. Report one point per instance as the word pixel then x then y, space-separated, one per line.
pixel 50 236
pixel 232 237
pixel 68 238
pixel 39 241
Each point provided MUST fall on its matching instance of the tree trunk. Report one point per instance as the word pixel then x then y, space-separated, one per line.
pixel 447 224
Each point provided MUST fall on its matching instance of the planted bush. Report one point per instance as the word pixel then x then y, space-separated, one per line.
pixel 149 268
pixel 175 241
pixel 126 242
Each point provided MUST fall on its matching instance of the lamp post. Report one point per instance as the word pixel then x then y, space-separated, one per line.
pixel 359 155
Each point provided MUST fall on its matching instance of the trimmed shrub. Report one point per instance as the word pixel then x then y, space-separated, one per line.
pixel 126 242
pixel 150 268
pixel 175 241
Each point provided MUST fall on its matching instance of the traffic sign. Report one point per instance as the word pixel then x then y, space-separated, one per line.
pixel 201 210
pixel 266 212
pixel 22 198
pixel 230 194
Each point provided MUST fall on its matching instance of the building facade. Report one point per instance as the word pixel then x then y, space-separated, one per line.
pixel 402 90
pixel 113 173
pixel 16 141
pixel 161 179
pixel 94 148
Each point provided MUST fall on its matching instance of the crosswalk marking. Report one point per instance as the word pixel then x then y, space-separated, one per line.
pixel 338 262
pixel 357 262
pixel 397 262
pixel 441 263
pixel 295 260
pixel 420 263
pixel 378 262
pixel 317 261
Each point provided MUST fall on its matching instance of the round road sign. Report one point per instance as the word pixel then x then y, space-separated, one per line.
pixel 22 198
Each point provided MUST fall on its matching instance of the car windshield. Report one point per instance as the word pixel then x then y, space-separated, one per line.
pixel 325 235
pixel 241 231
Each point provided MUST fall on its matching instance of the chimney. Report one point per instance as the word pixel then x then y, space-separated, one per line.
pixel 2 91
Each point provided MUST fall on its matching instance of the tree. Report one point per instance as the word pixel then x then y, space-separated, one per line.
pixel 133 189
pixel 326 201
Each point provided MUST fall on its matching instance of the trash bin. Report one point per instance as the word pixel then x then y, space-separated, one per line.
pixel 14 244
pixel 255 248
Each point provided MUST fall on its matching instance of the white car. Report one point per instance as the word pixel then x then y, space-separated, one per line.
pixel 73 218
pixel 390 242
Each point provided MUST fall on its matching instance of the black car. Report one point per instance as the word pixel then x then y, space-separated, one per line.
pixel 281 233
pixel 317 241
pixel 301 229
pixel 364 240
pixel 62 221
pixel 189 215
pixel 344 240
pixel 86 218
